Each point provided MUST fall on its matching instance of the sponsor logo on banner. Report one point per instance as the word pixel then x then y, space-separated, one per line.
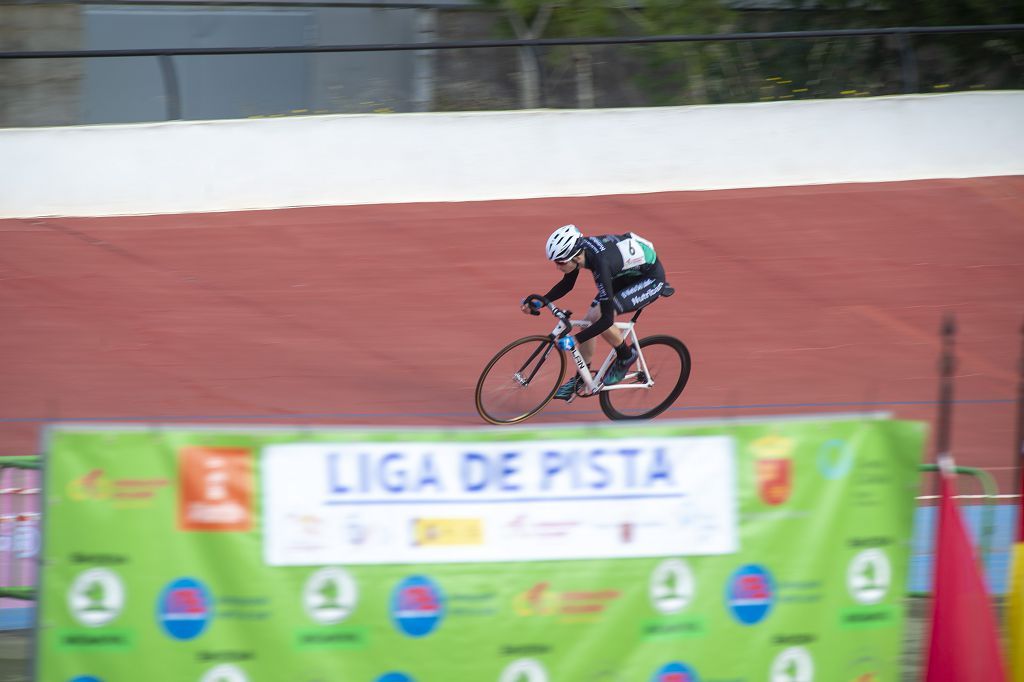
pixel 356 531
pixel 86 678
pixel 215 489
pixel 526 526
pixel 835 458
pixel 428 532
pixel 750 594
pixel 306 532
pixel 330 595
pixel 520 650
pixel 96 597
pixel 793 665
pixel 225 673
pixel 395 677
pixel 98 558
pixel 250 608
pixel 91 486
pixel 625 531
pixel 417 606
pixel 800 592
pixel 472 603
pixel 311 532
pixel 868 576
pixel 224 656
pixel 872 479
pixel 672 586
pixel 774 468
pixel 524 670
pixel 675 672
pixel 184 608
pixel 576 606
pixel 97 486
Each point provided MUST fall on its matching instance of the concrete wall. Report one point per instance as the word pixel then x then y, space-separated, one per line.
pixel 358 159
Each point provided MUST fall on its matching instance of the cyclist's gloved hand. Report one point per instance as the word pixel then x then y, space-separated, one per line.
pixel 530 308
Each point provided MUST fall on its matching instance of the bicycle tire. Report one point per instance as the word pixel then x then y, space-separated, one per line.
pixel 609 398
pixel 490 412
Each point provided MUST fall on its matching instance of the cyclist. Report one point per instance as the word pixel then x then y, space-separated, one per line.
pixel 628 276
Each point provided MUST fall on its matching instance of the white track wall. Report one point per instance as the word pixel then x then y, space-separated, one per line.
pixel 392 158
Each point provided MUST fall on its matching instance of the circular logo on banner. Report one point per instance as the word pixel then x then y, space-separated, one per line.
pixel 835 459
pixel 671 586
pixel 793 665
pixel 330 595
pixel 675 672
pixel 417 606
pixel 868 576
pixel 395 677
pixel 184 608
pixel 225 673
pixel 750 594
pixel 96 597
pixel 524 670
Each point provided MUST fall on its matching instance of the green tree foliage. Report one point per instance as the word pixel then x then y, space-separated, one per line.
pixel 671 67
pixel 742 71
pixel 884 65
pixel 678 73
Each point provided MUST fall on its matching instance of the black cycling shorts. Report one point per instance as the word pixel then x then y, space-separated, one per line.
pixel 633 293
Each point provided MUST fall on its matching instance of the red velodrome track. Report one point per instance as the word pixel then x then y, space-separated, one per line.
pixel 792 300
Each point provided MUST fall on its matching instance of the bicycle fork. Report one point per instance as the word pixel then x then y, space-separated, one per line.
pixel 583 371
pixel 525 381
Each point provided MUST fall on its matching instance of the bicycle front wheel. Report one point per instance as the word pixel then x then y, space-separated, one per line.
pixel 667 363
pixel 519 380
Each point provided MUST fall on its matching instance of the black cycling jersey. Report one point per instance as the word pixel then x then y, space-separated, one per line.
pixel 627 274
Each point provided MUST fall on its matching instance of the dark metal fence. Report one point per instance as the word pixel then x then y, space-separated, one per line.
pixel 657 70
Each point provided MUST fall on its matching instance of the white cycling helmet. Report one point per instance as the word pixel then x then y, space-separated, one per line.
pixel 564 243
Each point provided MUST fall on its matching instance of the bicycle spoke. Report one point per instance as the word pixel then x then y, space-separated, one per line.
pixel 667 365
pixel 519 380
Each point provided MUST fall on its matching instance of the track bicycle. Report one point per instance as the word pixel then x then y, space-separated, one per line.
pixel 524 375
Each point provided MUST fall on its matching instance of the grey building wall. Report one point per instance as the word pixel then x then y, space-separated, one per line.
pixel 129 89
pixel 132 89
pixel 365 81
pixel 39 92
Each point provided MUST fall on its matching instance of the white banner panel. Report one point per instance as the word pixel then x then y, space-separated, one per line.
pixel 371 503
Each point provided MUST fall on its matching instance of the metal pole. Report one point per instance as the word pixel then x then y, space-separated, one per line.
pixel 171 88
pixel 424 66
pixel 947 364
pixel 908 64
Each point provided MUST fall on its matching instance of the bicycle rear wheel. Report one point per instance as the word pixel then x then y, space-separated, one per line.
pixel 519 380
pixel 668 363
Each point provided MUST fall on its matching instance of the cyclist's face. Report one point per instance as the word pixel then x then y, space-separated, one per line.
pixel 567 266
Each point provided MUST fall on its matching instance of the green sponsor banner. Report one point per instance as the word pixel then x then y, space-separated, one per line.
pixel 673 552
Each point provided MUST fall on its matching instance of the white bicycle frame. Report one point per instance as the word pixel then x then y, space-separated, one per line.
pixel 595 382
